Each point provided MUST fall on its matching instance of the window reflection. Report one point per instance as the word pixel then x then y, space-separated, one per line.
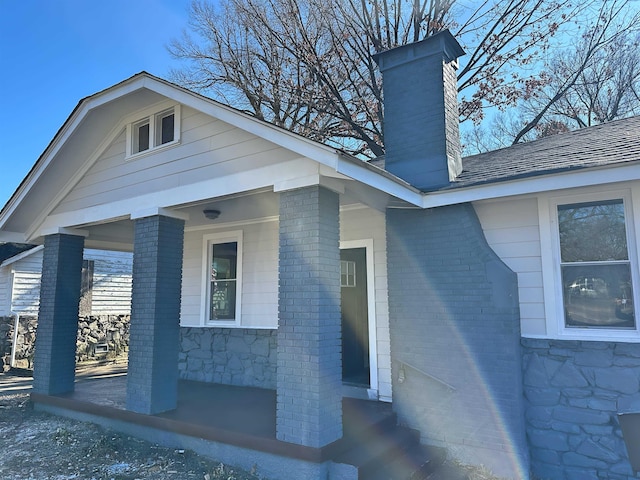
pixel 596 274
pixel 223 281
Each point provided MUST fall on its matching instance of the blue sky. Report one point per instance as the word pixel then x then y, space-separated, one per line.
pixel 55 52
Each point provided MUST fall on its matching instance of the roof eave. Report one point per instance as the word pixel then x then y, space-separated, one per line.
pixel 532 185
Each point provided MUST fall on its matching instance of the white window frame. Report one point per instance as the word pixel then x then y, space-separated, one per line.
pixel 207 242
pixel 151 117
pixel 552 273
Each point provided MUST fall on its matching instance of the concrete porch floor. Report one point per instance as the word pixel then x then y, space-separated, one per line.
pixel 243 417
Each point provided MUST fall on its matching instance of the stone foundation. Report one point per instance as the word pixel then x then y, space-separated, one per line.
pixel 99 338
pixel 574 391
pixel 102 337
pixel 242 357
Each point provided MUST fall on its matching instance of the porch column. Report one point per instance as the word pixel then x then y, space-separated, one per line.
pixel 55 352
pixel 309 379
pixel 152 379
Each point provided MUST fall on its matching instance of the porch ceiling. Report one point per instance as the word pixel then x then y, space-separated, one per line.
pixel 234 210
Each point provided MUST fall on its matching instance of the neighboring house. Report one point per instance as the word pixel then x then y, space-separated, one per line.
pixel 491 299
pixel 104 303
pixel 106 283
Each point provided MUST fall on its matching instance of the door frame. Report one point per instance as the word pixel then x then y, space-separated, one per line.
pixel 367 244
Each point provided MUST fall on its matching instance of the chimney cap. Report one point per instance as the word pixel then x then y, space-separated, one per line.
pixel 441 43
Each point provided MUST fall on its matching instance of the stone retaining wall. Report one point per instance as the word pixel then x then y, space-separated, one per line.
pixel 100 332
pixel 243 357
pixel 99 338
pixel 574 391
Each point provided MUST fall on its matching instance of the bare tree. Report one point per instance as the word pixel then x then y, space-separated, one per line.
pixel 307 66
pixel 596 81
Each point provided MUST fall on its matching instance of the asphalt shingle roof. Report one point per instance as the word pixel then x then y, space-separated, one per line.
pixel 611 143
pixel 8 250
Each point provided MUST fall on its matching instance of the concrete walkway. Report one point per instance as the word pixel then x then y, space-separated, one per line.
pixel 20 381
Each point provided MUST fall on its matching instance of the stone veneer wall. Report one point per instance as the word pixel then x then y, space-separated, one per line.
pixel 109 330
pixel 231 356
pixel 574 390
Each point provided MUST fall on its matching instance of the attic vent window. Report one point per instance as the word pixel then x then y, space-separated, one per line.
pixel 153 132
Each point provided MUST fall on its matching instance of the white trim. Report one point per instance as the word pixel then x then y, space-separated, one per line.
pixel 65 231
pixel 149 115
pixel 153 211
pixel 550 255
pixel 239 223
pixel 544 183
pixel 207 242
pixel 179 195
pixel 367 244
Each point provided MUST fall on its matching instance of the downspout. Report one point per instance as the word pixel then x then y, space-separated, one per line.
pixel 15 339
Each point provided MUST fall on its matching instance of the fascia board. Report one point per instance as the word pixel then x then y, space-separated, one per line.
pixel 547 183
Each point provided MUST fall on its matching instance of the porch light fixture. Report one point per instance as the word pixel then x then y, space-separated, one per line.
pixel 211 214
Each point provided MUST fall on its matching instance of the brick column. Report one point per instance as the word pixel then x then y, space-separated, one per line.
pixel 152 379
pixel 309 377
pixel 55 352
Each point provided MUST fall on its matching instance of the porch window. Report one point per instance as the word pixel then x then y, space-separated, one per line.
pixel 223 285
pixel 595 267
pixel 153 131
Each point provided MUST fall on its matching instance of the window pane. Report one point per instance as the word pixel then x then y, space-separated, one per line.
pixel 347 273
pixel 141 140
pixel 598 296
pixel 592 232
pixel 164 127
pixel 223 281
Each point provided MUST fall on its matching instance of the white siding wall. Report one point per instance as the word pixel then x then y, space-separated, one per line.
pixel 259 275
pixel 112 273
pixel 512 230
pixel 25 295
pixel 208 148
pixel 5 291
pixel 111 282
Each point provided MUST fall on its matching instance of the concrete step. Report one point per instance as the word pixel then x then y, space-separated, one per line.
pixel 415 462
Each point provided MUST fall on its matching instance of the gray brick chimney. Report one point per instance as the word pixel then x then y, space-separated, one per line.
pixel 421 134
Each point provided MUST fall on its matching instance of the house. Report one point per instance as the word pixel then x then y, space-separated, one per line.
pixel 106 280
pixel 105 301
pixel 490 300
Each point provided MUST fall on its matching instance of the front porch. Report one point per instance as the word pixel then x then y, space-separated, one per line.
pixel 237 425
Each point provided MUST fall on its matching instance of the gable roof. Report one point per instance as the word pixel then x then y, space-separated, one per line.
pixel 98 119
pixel 608 144
pixel 597 155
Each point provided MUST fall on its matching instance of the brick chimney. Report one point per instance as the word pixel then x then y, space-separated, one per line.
pixel 421 134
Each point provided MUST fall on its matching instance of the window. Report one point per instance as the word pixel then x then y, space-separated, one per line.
pixel 223 257
pixel 594 265
pixel 153 131
pixel 347 273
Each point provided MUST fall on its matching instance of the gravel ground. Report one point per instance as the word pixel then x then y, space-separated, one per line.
pixel 40 446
